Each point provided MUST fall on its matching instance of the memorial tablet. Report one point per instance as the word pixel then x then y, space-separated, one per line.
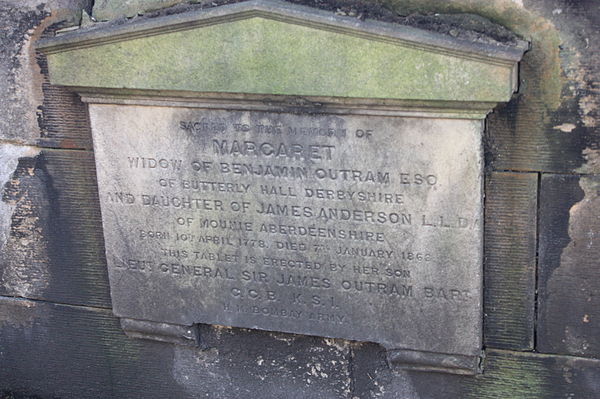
pixel 366 228
pixel 354 211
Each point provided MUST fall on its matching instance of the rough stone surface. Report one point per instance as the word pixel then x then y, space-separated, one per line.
pixel 9 158
pixel 24 213
pixel 549 127
pixel 96 360
pixel 508 375
pixel 112 9
pixel 569 248
pixel 19 84
pixel 54 249
pixel 22 22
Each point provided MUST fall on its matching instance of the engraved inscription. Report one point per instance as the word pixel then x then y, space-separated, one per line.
pixel 366 228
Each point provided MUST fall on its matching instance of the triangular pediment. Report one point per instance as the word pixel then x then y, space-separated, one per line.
pixel 275 48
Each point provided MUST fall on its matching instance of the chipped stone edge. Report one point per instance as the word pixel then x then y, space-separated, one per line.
pixel 162 332
pixel 406 359
pixel 9 161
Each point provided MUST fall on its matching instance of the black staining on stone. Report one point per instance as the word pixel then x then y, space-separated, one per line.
pixel 494 145
pixel 79 352
pixel 513 139
pixel 16 24
pixel 372 375
pixel 567 134
pixel 23 265
pixel 63 118
pixel 531 135
pixel 23 189
pixel 55 233
pixel 76 247
pixel 568 266
pixel 89 7
pixel 20 25
pixel 463 26
pixel 559 193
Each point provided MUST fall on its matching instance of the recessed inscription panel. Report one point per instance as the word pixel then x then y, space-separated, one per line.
pixel 366 228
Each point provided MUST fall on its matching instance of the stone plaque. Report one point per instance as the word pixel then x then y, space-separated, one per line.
pixel 273 166
pixel 359 227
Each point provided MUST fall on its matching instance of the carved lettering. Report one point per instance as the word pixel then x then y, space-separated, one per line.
pixel 363 227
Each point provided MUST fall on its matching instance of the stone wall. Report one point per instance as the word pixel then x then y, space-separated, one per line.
pixel 58 338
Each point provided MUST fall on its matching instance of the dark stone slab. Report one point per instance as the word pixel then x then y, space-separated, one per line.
pixel 73 352
pixel 51 351
pixel 510 260
pixel 569 288
pixel 507 374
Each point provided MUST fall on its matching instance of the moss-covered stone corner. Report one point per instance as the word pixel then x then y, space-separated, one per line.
pixel 544 55
pixel 556 84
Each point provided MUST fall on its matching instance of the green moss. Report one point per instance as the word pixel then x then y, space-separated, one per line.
pixel 264 56
pixel 513 375
pixel 544 55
